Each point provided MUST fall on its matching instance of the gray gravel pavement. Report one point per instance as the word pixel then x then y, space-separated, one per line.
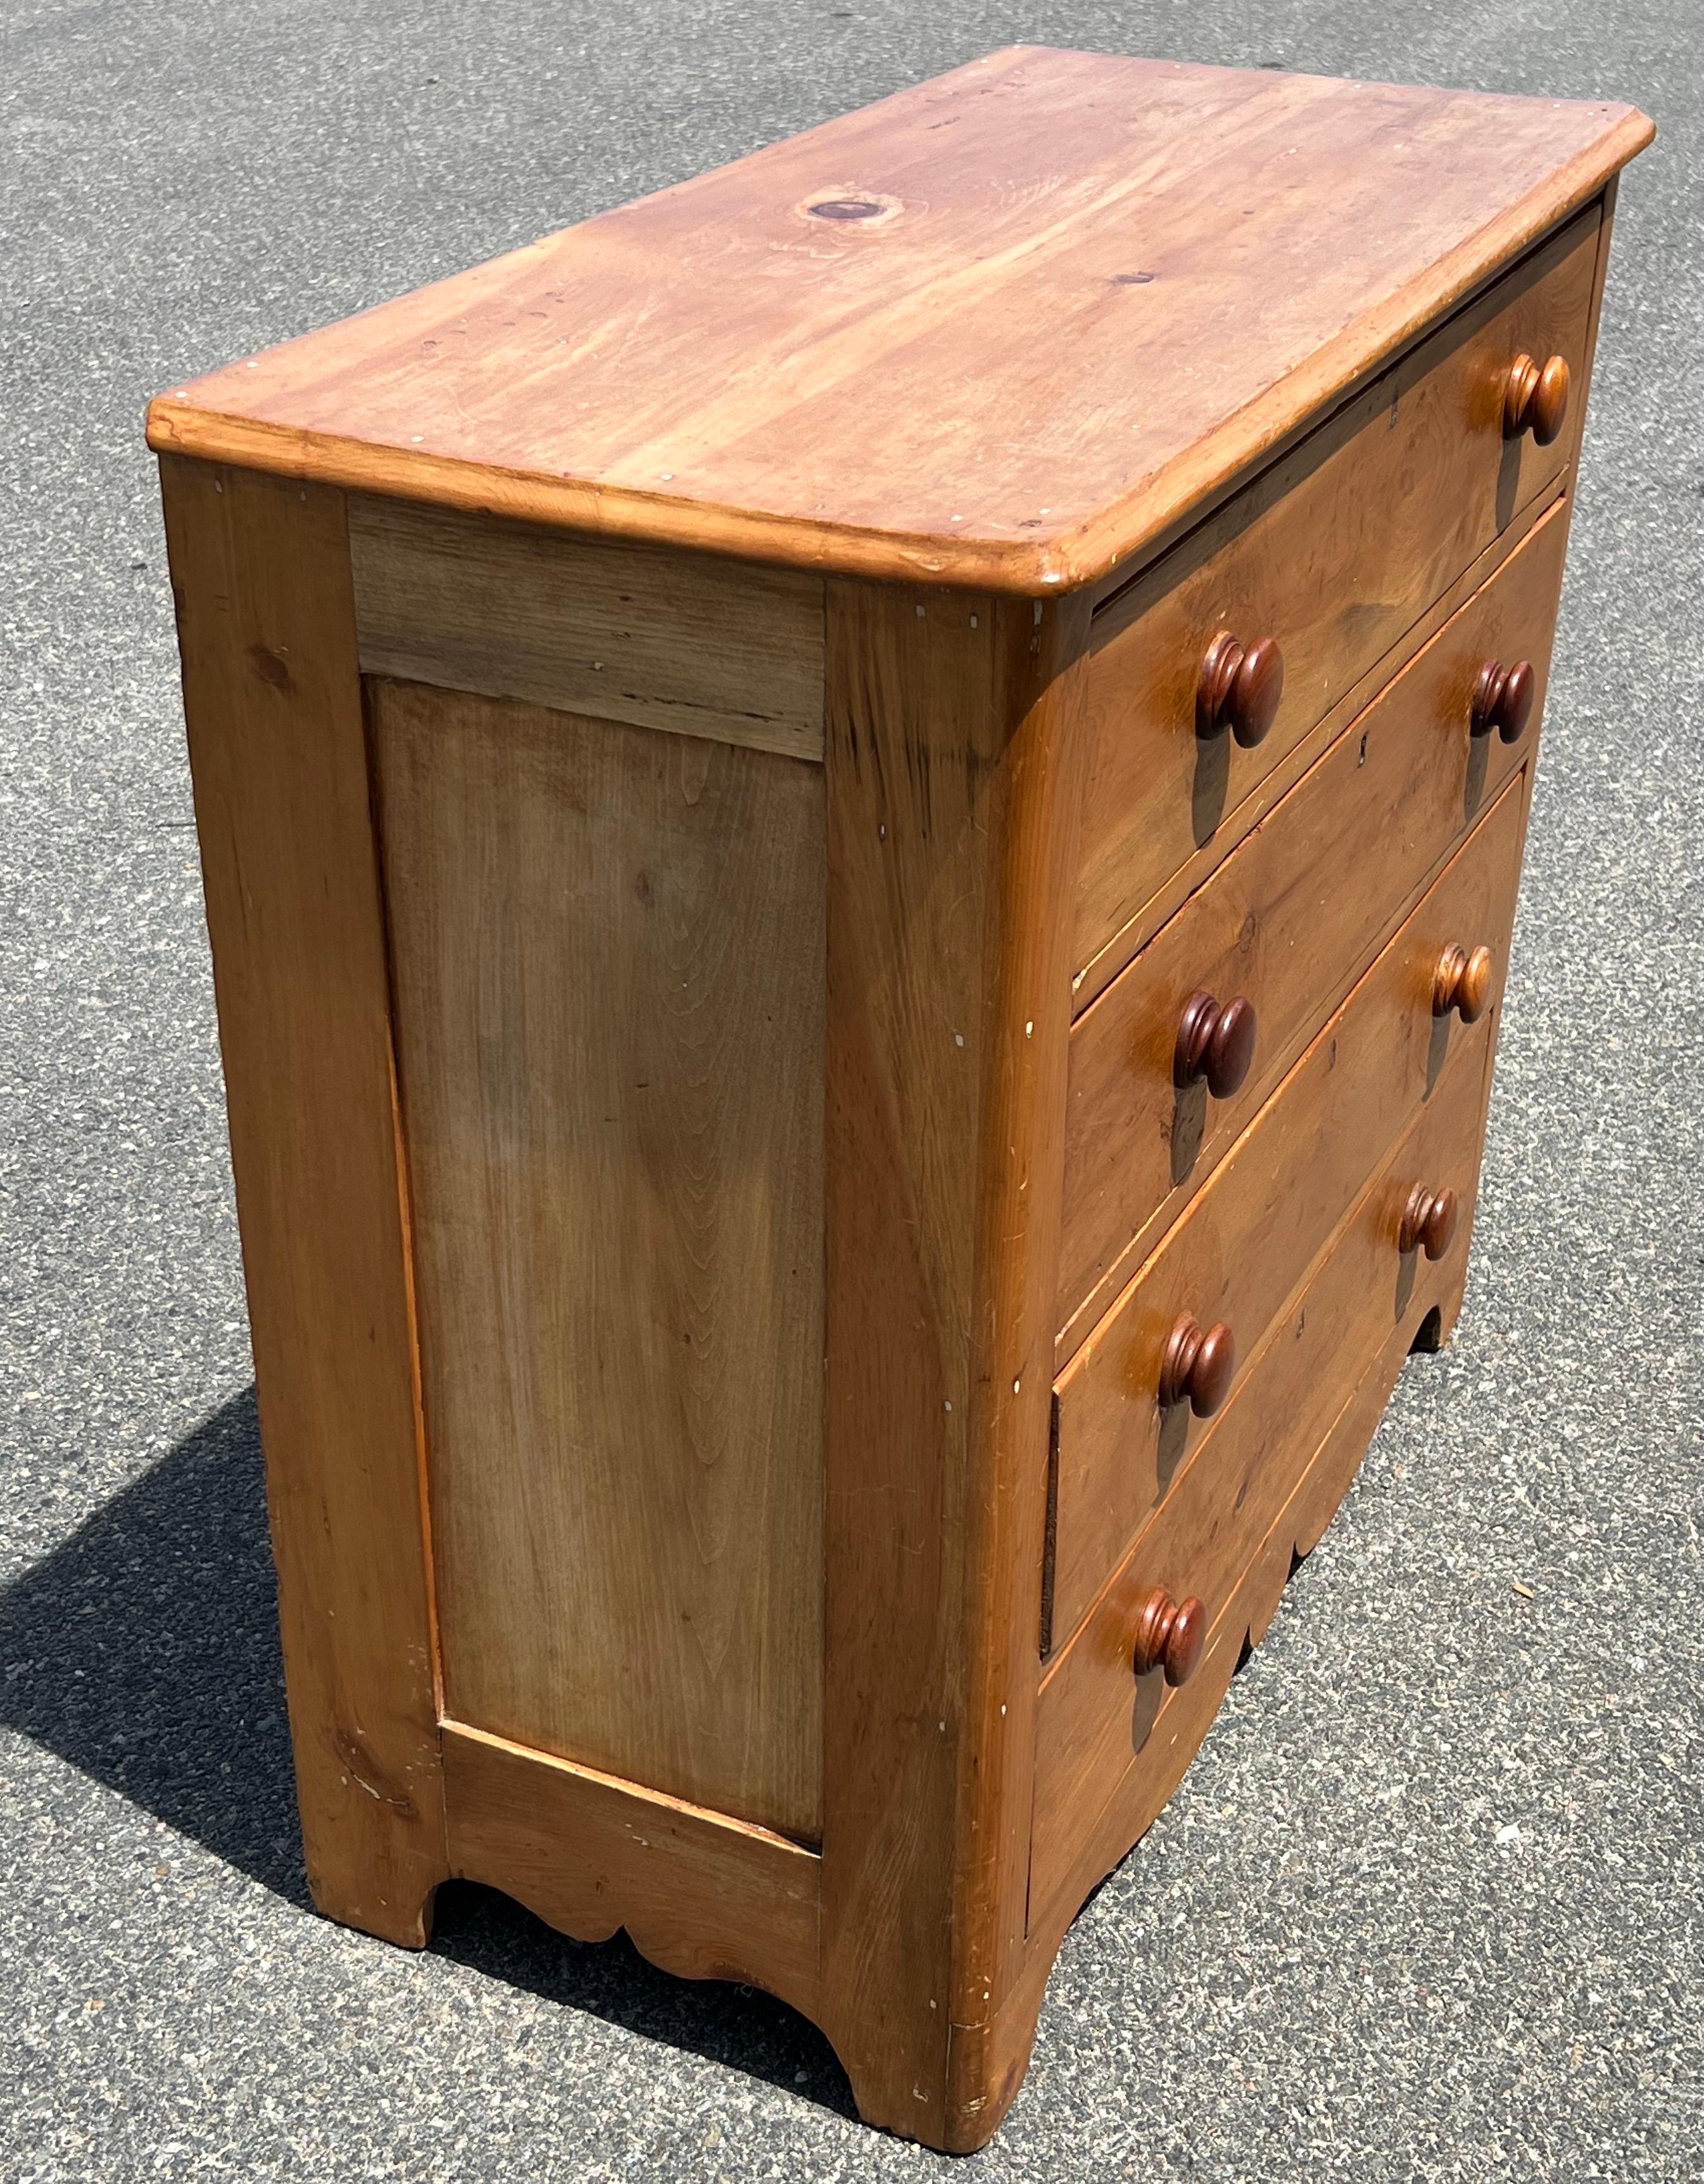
pixel 1428 1905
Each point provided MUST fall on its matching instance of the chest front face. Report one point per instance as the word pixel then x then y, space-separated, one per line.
pixel 861 827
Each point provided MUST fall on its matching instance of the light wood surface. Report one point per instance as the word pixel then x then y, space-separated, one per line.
pixel 1233 1489
pixel 1281 923
pixel 1574 437
pixel 953 730
pixel 272 699
pixel 1334 553
pixel 608 956
pixel 976 385
pixel 1136 1794
pixel 659 830
pixel 1248 1235
pixel 702 1895
pixel 686 642
pixel 1092 978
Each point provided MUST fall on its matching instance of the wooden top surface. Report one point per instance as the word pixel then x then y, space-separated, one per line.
pixel 1002 329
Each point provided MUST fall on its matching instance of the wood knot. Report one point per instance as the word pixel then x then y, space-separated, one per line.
pixel 850 208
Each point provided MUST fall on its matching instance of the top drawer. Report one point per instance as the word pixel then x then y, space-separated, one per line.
pixel 1332 554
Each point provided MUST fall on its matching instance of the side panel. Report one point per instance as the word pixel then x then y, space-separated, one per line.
pixel 684 642
pixel 608 957
pixel 272 696
pixel 701 1895
pixel 954 757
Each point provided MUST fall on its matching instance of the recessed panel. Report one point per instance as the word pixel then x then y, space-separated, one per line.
pixel 608 959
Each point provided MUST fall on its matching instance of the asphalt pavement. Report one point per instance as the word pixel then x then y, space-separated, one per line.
pixel 1428 1904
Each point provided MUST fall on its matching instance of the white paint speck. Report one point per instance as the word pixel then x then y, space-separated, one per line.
pixel 1015 1386
pixel 949 1406
pixel 666 476
pixel 958 1038
pixel 920 614
pixel 1029 1028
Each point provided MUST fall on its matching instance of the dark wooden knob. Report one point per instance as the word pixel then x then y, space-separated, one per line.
pixel 1429 1221
pixel 1239 688
pixel 1462 982
pixel 1536 398
pixel 1215 1043
pixel 1197 1368
pixel 1169 1635
pixel 1503 699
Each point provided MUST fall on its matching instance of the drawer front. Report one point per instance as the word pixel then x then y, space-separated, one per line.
pixel 1334 554
pixel 1239 1250
pixel 1286 924
pixel 1097 1720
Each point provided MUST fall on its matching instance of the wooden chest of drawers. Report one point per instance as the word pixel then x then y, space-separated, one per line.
pixel 861 826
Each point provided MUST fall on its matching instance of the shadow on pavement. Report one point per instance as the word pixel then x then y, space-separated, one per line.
pixel 740 2027
pixel 145 1652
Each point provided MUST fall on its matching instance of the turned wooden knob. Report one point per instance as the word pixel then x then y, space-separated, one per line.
pixel 1503 699
pixel 1239 688
pixel 1462 982
pixel 1215 1043
pixel 1197 1368
pixel 1429 1221
pixel 1536 398
pixel 1169 1635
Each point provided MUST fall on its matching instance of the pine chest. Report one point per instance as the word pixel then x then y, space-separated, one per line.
pixel 860 827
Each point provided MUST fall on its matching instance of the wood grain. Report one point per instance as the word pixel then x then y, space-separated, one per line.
pixel 1271 1203
pixel 685 642
pixel 659 1124
pixel 1017 379
pixel 608 958
pixel 704 1896
pixel 1137 1793
pixel 1575 435
pixel 272 699
pixel 1233 1489
pixel 1336 551
pixel 1289 920
pixel 954 732
pixel 1093 980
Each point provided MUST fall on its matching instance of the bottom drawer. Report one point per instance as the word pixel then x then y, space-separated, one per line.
pixel 1098 1721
